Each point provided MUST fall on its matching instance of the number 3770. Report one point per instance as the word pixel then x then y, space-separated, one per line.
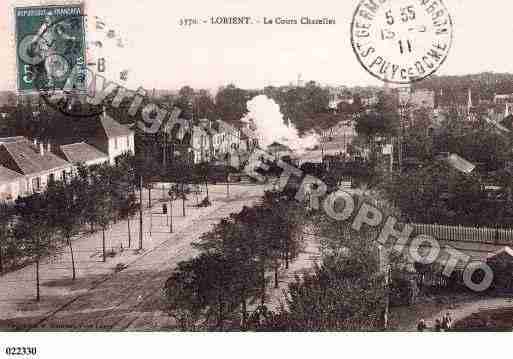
pixel 407 14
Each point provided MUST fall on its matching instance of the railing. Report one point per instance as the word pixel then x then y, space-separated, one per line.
pixel 469 234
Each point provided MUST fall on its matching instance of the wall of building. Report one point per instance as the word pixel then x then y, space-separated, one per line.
pixel 10 191
pixel 118 146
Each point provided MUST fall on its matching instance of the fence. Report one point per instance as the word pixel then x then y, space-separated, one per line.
pixel 467 234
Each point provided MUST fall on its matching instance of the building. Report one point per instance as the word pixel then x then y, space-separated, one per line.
pixel 503 98
pixel 34 161
pixel 338 95
pixel 10 184
pixel 201 145
pixel 83 153
pixel 112 138
pixel 418 98
pixel 27 167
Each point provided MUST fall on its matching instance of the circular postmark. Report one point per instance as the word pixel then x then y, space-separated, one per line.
pixel 401 41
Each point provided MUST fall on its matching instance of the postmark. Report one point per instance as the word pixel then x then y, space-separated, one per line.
pixel 401 41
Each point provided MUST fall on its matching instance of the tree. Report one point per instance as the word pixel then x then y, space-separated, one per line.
pixel 231 103
pixel 204 106
pixel 8 246
pixel 184 294
pixel 344 293
pixel 182 173
pixel 66 212
pixel 102 191
pixel 179 191
pixel 34 231
pixel 128 209
pixel 228 241
pixel 185 102
pixel 86 194
pixel 202 172
pixel 124 182
pixel 440 194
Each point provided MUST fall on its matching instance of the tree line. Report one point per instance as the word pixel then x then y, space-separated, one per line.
pixel 224 286
pixel 45 224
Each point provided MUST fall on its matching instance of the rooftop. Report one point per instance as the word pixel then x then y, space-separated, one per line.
pixel 12 139
pixel 7 176
pixel 82 153
pixel 113 128
pixel 28 158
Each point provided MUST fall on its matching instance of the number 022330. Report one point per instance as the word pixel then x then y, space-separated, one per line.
pixel 20 351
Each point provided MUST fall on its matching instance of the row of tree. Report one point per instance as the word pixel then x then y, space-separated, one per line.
pixel 45 223
pixel 349 290
pixel 216 288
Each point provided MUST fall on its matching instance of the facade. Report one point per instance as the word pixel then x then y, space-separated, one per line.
pixel 201 145
pixel 503 98
pixel 218 140
pixel 34 161
pixel 112 138
pixel 10 184
pixel 27 167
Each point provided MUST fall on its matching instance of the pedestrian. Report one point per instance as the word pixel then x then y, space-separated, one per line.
pixel 447 321
pixel 438 326
pixel 421 326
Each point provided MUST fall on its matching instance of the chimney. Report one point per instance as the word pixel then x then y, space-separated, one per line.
pixel 41 149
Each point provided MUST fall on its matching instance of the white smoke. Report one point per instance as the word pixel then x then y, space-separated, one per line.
pixel 269 125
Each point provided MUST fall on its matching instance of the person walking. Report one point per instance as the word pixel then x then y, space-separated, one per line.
pixel 447 322
pixel 421 326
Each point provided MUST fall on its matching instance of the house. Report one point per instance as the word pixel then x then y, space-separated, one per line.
pixel 35 162
pixel 10 184
pixel 417 98
pixel 201 144
pixel 112 138
pixel 503 98
pixel 83 153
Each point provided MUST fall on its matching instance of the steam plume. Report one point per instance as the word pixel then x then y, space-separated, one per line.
pixel 269 125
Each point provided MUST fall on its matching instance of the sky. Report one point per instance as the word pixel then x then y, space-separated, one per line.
pixel 164 55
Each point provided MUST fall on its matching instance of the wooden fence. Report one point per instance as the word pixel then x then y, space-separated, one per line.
pixel 468 234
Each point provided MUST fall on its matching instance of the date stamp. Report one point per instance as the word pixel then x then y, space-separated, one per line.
pixel 401 41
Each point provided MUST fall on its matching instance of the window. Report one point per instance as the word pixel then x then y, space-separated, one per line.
pixel 36 184
pixel 116 143
pixel 64 175
pixel 51 178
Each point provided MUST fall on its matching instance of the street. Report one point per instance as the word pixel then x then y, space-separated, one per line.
pixel 101 298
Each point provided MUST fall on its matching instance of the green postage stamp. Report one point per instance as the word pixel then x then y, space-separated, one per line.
pixel 50 47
